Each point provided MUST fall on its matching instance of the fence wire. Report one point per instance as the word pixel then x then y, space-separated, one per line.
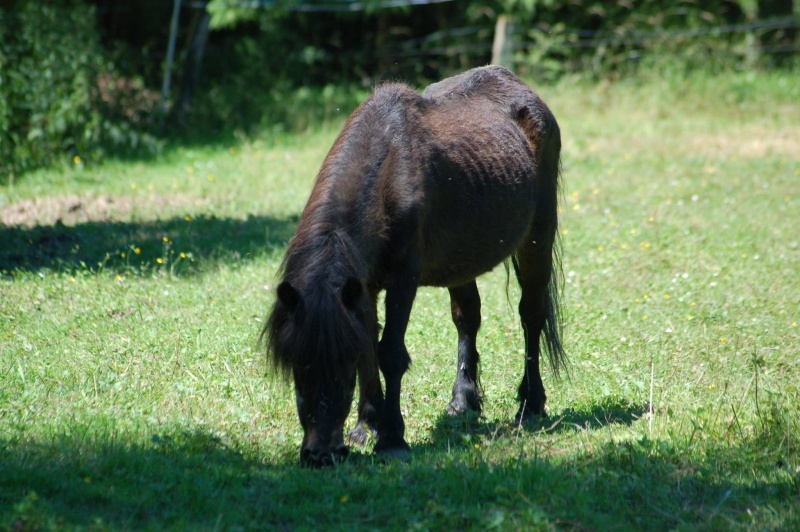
pixel 595 38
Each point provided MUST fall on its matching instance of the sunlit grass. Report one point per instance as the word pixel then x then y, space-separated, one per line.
pixel 131 394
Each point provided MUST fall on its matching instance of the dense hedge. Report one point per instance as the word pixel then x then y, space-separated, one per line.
pixel 58 95
pixel 621 37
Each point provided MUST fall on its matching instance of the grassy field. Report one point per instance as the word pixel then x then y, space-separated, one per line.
pixel 132 294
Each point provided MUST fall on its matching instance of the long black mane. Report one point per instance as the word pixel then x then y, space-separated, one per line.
pixel 321 333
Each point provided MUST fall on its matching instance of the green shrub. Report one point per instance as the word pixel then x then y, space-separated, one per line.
pixel 612 39
pixel 246 86
pixel 51 104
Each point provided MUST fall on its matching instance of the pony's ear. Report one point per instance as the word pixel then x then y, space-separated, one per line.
pixel 289 296
pixel 351 292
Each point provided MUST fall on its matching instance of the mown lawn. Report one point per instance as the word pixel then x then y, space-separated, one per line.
pixel 132 294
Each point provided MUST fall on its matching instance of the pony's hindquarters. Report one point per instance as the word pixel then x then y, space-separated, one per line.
pixel 479 191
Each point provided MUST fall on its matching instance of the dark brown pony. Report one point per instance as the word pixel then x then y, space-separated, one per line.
pixel 427 189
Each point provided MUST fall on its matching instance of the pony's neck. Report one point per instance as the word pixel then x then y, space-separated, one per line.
pixel 323 253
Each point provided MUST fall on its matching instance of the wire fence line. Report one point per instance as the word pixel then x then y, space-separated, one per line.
pixel 643 37
pixel 327 6
pixel 585 38
pixel 430 45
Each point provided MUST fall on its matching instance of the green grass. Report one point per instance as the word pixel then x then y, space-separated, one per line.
pixel 132 396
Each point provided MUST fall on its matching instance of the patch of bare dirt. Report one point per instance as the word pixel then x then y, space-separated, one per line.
pixel 75 209
pixel 745 142
pixel 750 143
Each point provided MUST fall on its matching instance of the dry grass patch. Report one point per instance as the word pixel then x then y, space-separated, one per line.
pixel 74 209
pixel 745 141
pixel 749 142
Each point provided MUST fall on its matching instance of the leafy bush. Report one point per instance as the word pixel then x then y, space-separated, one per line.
pixel 617 38
pixel 246 86
pixel 51 104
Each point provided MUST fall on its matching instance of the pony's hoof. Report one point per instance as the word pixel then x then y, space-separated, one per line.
pixel 466 398
pixel 359 435
pixel 461 407
pixel 398 451
pixel 454 409
pixel 527 415
pixel 400 455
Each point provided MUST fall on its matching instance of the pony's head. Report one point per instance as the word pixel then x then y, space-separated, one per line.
pixel 322 329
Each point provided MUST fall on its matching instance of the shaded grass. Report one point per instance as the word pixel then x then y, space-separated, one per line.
pixel 176 244
pixel 198 479
pixel 131 395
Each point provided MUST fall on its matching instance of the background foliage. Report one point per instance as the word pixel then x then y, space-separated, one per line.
pixel 82 77
pixel 47 78
pixel 58 95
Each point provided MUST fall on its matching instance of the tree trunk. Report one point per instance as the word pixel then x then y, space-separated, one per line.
pixel 194 59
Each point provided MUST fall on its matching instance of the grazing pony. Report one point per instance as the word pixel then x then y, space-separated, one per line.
pixel 429 189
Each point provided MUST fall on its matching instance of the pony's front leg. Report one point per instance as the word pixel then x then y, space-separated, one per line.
pixel 394 360
pixel 370 403
pixel 370 391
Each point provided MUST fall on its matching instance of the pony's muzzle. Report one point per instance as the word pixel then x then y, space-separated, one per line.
pixel 323 457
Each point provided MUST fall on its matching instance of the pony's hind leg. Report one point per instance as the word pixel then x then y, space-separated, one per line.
pixel 533 266
pixel 536 261
pixel 465 307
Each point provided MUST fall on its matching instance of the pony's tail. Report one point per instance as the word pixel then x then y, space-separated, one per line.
pixel 553 314
pixel 550 154
pixel 553 349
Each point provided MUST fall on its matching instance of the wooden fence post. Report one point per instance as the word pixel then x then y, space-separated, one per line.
pixel 503 48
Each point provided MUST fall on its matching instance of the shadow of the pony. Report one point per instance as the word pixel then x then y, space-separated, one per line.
pixel 464 430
